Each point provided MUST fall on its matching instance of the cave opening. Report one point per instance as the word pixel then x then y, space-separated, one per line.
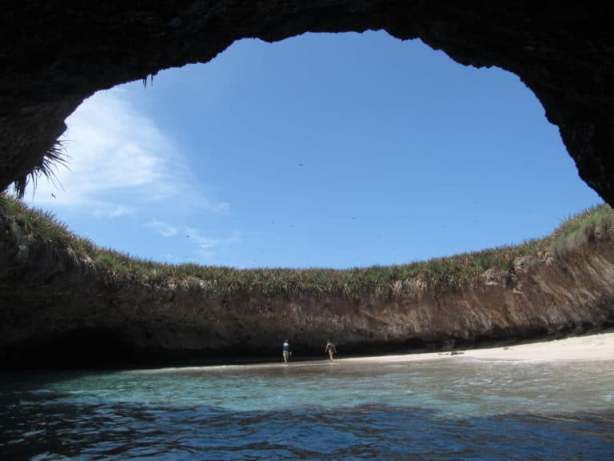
pixel 323 158
pixel 319 150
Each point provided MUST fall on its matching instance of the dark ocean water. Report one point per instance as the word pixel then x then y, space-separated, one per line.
pixel 454 409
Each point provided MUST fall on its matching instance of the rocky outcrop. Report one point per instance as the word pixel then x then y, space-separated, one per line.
pixel 56 53
pixel 59 306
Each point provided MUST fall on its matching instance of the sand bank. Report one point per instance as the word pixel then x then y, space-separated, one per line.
pixel 595 347
pixel 590 347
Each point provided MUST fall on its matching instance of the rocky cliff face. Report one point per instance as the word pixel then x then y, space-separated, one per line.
pixel 58 52
pixel 58 306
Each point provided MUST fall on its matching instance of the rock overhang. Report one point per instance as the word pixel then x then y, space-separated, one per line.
pixel 59 53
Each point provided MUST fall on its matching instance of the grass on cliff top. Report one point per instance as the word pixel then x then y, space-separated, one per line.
pixel 441 274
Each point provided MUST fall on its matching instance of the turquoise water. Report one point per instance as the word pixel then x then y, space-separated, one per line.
pixel 448 409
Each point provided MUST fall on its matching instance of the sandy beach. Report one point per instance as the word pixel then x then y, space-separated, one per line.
pixel 597 347
pixel 590 347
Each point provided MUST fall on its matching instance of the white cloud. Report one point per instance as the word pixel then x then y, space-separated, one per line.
pixel 108 210
pixel 205 246
pixel 164 229
pixel 118 154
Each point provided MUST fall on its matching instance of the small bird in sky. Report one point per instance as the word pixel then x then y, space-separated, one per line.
pixel 52 195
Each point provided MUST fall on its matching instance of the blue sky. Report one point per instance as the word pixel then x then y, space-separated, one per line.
pixel 335 150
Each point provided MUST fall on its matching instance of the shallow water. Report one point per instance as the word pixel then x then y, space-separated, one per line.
pixel 448 409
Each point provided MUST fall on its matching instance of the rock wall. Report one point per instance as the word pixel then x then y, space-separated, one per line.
pixel 59 307
pixel 55 53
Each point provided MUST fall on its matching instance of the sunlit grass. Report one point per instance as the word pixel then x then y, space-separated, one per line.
pixel 439 274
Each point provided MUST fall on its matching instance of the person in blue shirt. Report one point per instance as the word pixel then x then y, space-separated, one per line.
pixel 285 351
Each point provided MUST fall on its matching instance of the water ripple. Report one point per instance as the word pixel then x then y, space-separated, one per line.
pixel 423 411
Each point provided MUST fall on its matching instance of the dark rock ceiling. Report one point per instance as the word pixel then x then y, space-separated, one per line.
pixel 56 53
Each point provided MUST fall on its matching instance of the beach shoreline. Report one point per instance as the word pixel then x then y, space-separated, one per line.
pixel 593 347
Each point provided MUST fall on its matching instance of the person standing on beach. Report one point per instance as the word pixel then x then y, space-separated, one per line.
pixel 285 351
pixel 330 349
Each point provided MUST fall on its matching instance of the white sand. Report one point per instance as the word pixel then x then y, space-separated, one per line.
pixel 584 348
pixel 591 347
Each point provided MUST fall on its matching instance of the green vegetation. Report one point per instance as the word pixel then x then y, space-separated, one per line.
pixel 440 274
pixel 590 225
pixel 53 157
